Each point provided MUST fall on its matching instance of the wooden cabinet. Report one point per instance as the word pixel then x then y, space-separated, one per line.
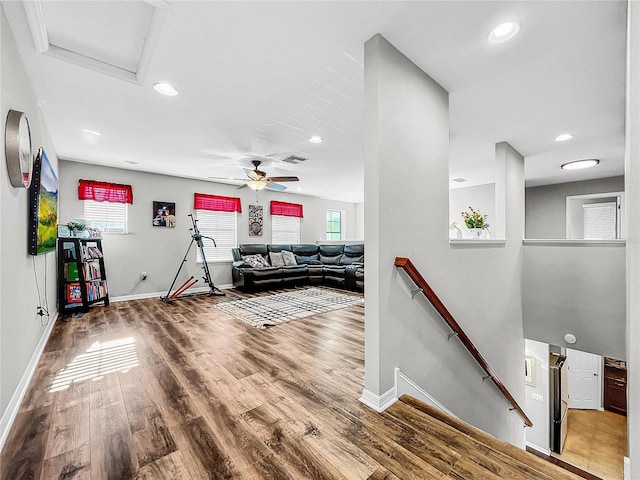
pixel 615 386
pixel 82 280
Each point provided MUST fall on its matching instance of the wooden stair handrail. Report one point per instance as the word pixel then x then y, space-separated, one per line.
pixel 428 292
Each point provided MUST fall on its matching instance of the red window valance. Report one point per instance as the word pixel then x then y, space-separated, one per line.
pixel 105 192
pixel 216 203
pixel 286 209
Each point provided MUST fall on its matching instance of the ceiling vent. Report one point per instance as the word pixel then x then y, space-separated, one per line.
pixel 294 159
pixel 459 180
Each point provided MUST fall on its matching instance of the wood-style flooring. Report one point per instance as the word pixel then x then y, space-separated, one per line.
pixel 596 442
pixel 145 390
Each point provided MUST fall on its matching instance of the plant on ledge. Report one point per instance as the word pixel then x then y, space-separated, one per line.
pixel 474 219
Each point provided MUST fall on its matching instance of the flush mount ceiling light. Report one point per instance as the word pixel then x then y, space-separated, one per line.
pixel 164 88
pixel 563 137
pixel 316 139
pixel 580 164
pixel 504 32
pixel 92 132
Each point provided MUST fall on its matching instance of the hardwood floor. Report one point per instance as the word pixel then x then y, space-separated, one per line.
pixel 145 390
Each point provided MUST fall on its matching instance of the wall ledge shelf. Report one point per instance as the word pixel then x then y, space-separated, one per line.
pixel 470 242
pixel 561 242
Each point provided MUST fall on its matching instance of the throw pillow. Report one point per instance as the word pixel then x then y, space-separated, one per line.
pixel 276 259
pixel 289 258
pixel 256 261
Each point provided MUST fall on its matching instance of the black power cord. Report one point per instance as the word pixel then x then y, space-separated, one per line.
pixel 42 308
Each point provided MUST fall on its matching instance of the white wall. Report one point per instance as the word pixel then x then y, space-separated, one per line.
pixel 159 251
pixel 406 143
pixel 480 197
pixel 578 290
pixel 632 190
pixel 20 328
pixel 546 206
pixel 359 221
pixel 536 402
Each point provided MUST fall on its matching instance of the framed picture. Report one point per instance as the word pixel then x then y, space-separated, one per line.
pixel 255 220
pixel 530 370
pixel 63 231
pixel 43 207
pixel 164 214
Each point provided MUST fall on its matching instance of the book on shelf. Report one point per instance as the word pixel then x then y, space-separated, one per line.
pixel 69 250
pixel 71 272
pixel 90 252
pixel 96 290
pixel 91 270
pixel 74 293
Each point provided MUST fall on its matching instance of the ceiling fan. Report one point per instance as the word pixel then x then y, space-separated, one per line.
pixel 257 179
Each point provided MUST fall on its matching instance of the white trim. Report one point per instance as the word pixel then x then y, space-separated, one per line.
pixel 35 18
pixel 560 242
pixel 158 19
pixel 18 395
pixel 404 385
pixel 140 296
pixel 379 403
pixel 482 242
pixel 627 468
pixel 538 449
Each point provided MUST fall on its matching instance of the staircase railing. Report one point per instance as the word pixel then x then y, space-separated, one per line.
pixel 457 331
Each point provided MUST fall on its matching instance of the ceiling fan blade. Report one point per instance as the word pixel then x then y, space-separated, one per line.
pixel 228 178
pixel 242 186
pixel 282 179
pixel 252 174
pixel 276 186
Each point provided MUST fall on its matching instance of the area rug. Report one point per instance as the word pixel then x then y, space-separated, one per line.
pixel 279 308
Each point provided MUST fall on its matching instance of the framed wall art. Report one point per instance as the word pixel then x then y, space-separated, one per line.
pixel 255 220
pixel 530 370
pixel 164 214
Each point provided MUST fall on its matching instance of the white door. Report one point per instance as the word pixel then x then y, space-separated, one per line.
pixel 585 381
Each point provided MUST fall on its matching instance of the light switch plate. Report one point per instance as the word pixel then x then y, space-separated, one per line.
pixel 537 397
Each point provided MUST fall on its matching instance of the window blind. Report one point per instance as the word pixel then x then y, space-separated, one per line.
pixel 108 217
pixel 223 228
pixel 285 230
pixel 600 220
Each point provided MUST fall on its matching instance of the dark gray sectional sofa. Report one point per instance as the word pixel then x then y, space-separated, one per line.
pixel 332 265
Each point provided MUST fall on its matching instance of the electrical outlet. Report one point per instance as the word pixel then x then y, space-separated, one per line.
pixel 143 275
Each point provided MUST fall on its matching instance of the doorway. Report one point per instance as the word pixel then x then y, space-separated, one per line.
pixel 585 380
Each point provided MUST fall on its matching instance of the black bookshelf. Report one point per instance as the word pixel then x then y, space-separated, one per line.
pixel 82 280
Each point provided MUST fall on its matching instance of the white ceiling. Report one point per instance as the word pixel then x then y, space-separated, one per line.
pixel 259 78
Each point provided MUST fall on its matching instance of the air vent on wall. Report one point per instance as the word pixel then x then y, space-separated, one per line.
pixel 294 159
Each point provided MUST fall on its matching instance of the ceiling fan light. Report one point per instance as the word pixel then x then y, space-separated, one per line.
pixel 256 184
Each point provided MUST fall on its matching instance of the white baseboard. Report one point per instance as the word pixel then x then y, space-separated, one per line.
pixel 140 296
pixel 627 468
pixel 535 447
pixel 379 402
pixel 404 385
pixel 14 404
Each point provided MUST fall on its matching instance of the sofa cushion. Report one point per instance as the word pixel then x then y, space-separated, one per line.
pixel 289 258
pixel 346 260
pixel 310 260
pixel 305 249
pixel 330 260
pixel 276 259
pixel 252 249
pixel 330 250
pixel 278 248
pixel 256 261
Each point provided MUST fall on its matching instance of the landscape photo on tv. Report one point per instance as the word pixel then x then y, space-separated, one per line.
pixel 43 207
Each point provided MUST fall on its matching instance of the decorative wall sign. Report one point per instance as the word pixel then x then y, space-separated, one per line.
pixel 43 207
pixel 17 149
pixel 164 214
pixel 255 220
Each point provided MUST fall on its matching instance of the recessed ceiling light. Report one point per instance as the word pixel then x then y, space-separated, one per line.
pixel 580 164
pixel 504 32
pixel 299 189
pixel 92 132
pixel 316 139
pixel 165 89
pixel 563 137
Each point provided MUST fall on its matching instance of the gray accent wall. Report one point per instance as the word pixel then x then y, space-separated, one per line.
pixel 159 251
pixel 578 290
pixel 545 207
pixel 407 143
pixel 21 330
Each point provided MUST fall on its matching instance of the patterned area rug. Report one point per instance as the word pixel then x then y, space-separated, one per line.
pixel 261 312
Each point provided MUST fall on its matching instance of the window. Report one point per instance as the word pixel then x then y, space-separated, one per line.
pixel 108 217
pixel 223 228
pixel 285 222
pixel 595 216
pixel 285 230
pixel 600 220
pixel 334 225
pixel 105 205
pixel 217 219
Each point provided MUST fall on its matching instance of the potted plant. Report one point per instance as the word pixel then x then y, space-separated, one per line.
pixel 475 221
pixel 77 226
